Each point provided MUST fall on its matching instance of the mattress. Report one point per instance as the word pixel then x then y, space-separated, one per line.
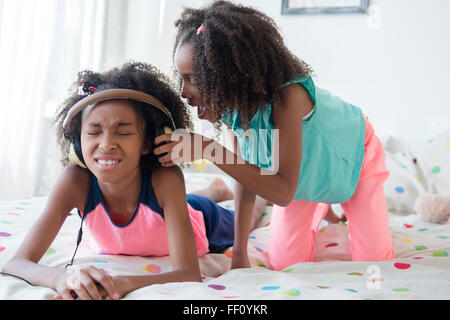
pixel 421 269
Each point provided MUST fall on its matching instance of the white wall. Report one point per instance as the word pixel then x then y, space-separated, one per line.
pixel 399 74
pixel 150 33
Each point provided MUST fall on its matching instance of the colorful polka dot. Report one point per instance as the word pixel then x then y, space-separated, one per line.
pixel 323 287
pixel 332 244
pixel 5 234
pixel 287 270
pixel 230 297
pixel 400 189
pixel 408 225
pixel 407 240
pixel 167 293
pixel 442 253
pixel 216 286
pixel 373 280
pixel 262 265
pixel 436 169
pixel 417 258
pixel 447 145
pixel 352 290
pixel 420 248
pixel 355 274
pixel 401 290
pixel 2 248
pixel 228 254
pixel 442 237
pixel 258 249
pixel 50 251
pixel 6 222
pixel 152 268
pixel 252 237
pixel 422 229
pixel 13 214
pixel 99 261
pixel 291 292
pixel 200 164
pixel 35 288
pixel 402 266
pixel 270 288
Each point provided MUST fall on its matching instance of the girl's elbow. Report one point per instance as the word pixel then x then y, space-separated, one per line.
pixel 285 196
pixel 284 201
pixel 7 267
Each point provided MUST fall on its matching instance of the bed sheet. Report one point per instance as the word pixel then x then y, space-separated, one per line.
pixel 421 269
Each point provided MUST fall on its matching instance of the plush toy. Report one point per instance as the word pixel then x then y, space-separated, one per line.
pixel 433 208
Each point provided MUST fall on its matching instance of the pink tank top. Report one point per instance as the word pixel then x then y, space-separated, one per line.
pixel 145 234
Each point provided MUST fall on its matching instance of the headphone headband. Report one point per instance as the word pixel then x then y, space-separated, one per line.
pixel 112 94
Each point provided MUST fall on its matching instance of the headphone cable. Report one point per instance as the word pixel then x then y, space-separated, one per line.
pixel 80 235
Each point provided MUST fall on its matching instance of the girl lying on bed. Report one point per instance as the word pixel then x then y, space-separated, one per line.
pixel 130 204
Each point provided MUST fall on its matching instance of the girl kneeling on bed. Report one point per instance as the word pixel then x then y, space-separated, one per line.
pixel 130 204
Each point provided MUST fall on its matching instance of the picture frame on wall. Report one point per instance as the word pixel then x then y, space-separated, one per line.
pixel 294 7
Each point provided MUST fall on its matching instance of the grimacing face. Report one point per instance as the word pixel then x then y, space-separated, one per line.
pixel 112 140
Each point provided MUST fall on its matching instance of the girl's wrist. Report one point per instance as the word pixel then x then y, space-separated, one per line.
pixel 126 284
pixel 54 278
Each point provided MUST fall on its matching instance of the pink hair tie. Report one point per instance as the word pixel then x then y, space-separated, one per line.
pixel 201 29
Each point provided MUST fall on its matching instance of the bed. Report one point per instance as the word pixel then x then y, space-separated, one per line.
pixel 421 269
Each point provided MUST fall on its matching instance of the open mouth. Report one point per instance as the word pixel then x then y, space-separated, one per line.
pixel 107 164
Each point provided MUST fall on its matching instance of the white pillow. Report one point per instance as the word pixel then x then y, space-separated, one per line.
pixel 404 184
pixel 433 162
pixel 416 168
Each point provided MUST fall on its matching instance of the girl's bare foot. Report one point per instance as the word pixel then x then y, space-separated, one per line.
pixel 216 191
pixel 220 190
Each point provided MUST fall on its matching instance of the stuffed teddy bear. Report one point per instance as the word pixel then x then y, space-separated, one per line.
pixel 433 208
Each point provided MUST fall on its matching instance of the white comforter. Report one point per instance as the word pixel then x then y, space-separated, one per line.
pixel 420 271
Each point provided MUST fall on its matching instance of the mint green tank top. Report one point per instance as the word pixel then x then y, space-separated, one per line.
pixel 333 145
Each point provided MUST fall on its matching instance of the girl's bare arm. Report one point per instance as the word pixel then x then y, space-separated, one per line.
pixel 279 187
pixel 171 195
pixel 64 197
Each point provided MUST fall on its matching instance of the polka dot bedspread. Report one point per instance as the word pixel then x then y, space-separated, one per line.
pixel 421 269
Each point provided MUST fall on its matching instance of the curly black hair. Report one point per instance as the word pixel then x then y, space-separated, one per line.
pixel 239 59
pixel 132 75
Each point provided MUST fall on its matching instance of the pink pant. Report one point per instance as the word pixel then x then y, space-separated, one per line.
pixel 293 228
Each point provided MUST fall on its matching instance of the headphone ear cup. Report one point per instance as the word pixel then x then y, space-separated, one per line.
pixel 75 153
pixel 161 131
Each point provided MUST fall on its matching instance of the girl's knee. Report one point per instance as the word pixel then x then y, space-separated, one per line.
pixel 281 258
pixel 373 253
